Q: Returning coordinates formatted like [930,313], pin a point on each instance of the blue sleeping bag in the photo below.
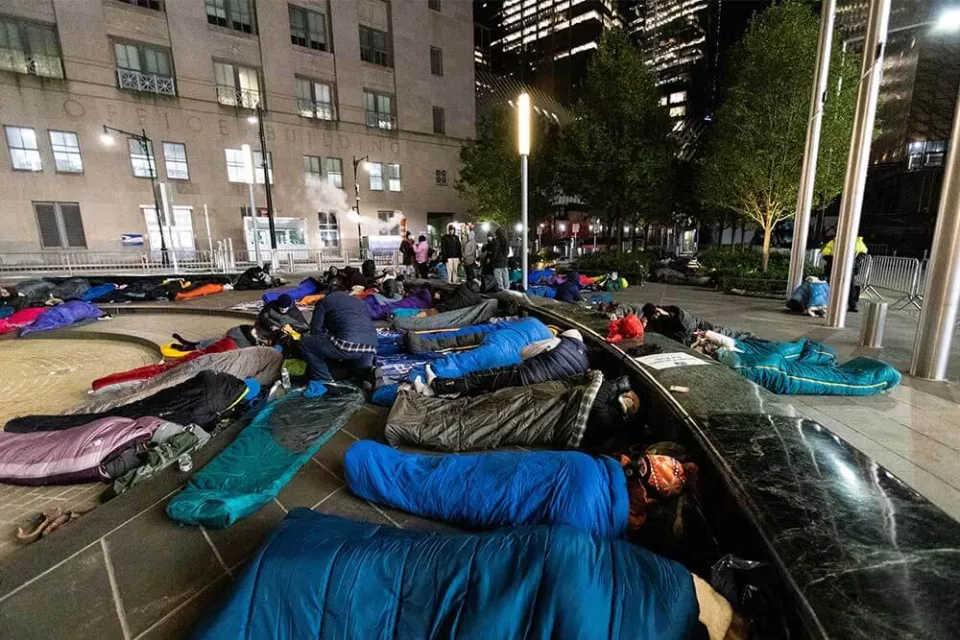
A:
[802,350]
[542,291]
[253,469]
[307,287]
[500,348]
[320,576]
[490,490]
[63,315]
[544,275]
[98,291]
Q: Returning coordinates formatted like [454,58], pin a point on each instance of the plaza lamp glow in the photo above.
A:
[523,147]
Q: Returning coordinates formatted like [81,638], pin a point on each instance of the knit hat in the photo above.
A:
[649,309]
[285,301]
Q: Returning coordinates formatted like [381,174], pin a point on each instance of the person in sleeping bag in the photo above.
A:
[279,316]
[341,336]
[550,359]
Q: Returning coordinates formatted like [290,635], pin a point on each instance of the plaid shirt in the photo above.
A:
[351,347]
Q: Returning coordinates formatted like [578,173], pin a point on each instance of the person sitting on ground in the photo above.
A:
[569,289]
[465,295]
[341,336]
[677,324]
[810,297]
[279,318]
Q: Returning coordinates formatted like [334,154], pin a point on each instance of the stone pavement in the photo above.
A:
[913,430]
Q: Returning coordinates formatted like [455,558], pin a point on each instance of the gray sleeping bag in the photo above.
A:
[549,415]
[467,316]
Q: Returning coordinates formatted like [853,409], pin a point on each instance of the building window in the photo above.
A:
[935,151]
[258,166]
[236,167]
[439,121]
[313,167]
[315,99]
[329,229]
[24,150]
[393,177]
[663,101]
[232,14]
[436,61]
[433,5]
[175,158]
[378,108]
[27,47]
[376,176]
[373,46]
[308,28]
[143,68]
[237,86]
[66,151]
[335,172]
[441,176]
[60,225]
[142,159]
[146,4]
[389,223]
[678,112]
[678,96]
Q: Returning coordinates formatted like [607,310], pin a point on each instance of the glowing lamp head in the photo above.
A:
[252,119]
[518,227]
[949,20]
[107,140]
[523,124]
[485,227]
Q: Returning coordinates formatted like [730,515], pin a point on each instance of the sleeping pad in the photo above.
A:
[264,457]
[462,317]
[550,415]
[22,318]
[73,455]
[501,348]
[260,363]
[491,490]
[418,299]
[306,287]
[146,372]
[320,576]
[63,315]
[201,400]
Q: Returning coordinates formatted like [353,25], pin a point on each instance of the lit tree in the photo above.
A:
[754,151]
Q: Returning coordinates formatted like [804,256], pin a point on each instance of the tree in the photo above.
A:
[616,153]
[754,151]
[490,168]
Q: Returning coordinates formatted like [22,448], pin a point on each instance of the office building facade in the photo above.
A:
[337,80]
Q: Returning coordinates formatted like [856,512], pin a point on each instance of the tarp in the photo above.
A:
[264,457]
[200,400]
[550,415]
[22,318]
[858,377]
[306,287]
[320,576]
[260,363]
[70,456]
[418,299]
[500,348]
[148,371]
[450,319]
[492,490]
[199,292]
[63,315]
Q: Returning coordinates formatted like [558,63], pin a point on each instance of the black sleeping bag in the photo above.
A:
[255,278]
[465,295]
[201,400]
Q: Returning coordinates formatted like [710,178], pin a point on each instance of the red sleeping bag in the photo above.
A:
[199,292]
[22,318]
[148,371]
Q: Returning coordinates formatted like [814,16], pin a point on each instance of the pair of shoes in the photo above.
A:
[853,310]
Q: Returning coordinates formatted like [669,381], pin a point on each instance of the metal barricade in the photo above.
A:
[900,275]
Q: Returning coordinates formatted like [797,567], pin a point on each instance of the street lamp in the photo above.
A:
[356,191]
[146,144]
[523,147]
[257,119]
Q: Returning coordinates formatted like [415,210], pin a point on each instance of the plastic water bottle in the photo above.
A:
[285,379]
[185,462]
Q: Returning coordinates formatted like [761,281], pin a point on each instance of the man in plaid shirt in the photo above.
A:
[341,337]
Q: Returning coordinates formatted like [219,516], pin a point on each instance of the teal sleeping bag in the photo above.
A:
[320,576]
[801,350]
[264,457]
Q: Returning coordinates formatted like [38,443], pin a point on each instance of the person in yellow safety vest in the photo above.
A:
[861,249]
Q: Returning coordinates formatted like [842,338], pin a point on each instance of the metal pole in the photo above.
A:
[808,174]
[147,145]
[167,211]
[256,225]
[206,217]
[941,293]
[525,267]
[848,224]
[266,179]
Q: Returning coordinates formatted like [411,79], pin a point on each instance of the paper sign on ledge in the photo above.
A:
[670,360]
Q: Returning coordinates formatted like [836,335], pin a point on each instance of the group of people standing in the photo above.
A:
[491,259]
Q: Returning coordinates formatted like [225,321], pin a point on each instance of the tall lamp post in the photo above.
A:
[258,120]
[146,144]
[356,192]
[523,146]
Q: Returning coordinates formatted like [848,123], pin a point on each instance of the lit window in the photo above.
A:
[60,225]
[30,48]
[24,151]
[436,61]
[378,109]
[236,167]
[175,159]
[678,96]
[329,229]
[143,68]
[308,28]
[232,14]
[376,176]
[141,158]
[663,101]
[335,172]
[439,121]
[312,165]
[393,177]
[315,99]
[66,151]
[373,46]
[678,112]
[258,166]
[237,86]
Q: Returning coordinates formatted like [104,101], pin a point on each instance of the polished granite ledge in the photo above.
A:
[867,555]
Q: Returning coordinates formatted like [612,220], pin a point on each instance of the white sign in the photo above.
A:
[670,360]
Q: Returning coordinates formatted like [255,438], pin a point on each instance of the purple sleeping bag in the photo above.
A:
[418,299]
[307,287]
[72,455]
[63,315]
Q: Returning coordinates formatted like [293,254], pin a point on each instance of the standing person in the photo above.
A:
[342,336]
[450,253]
[487,251]
[421,252]
[826,252]
[407,253]
[470,258]
[498,259]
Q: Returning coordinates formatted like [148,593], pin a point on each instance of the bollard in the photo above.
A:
[874,320]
